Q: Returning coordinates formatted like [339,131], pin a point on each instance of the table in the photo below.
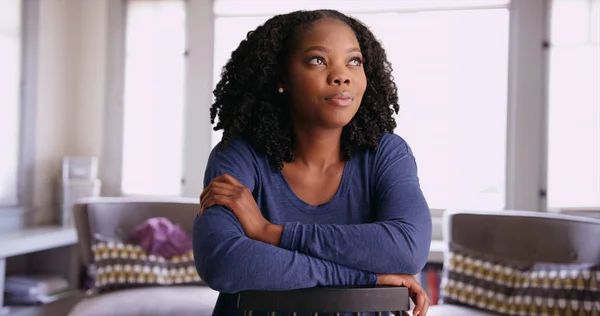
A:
[55,246]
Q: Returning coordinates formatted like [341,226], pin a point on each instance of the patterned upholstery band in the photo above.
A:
[119,265]
[513,288]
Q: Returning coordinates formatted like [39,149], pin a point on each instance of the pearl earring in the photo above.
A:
[280,90]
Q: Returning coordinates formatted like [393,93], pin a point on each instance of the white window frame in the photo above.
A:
[527,121]
[110,165]
[11,216]
[13,29]
[199,97]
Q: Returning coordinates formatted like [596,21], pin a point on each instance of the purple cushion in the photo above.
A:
[160,237]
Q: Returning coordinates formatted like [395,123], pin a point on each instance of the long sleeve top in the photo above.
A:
[377,222]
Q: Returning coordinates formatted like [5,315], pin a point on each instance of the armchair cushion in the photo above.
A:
[119,265]
[515,288]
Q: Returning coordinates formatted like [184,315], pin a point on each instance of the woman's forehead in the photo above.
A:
[326,32]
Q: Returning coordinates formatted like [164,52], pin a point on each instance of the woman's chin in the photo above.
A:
[337,124]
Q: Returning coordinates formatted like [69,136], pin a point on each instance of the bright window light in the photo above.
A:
[154,97]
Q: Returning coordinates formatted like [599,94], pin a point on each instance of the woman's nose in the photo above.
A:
[338,78]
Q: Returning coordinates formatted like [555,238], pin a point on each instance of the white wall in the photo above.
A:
[70,93]
[91,78]
[55,80]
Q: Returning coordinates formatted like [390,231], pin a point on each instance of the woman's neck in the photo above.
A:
[317,148]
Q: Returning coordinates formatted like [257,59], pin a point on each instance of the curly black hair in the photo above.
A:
[248,105]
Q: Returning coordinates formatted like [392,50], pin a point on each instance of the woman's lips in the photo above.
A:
[340,99]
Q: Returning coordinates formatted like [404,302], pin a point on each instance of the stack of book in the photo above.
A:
[35,289]
[430,279]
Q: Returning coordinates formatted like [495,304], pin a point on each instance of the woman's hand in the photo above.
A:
[416,291]
[226,191]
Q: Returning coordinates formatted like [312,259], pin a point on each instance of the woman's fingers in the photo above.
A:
[215,185]
[421,299]
[231,180]
[416,291]
[223,180]
[216,199]
[223,186]
[205,205]
[216,181]
[425,304]
[219,189]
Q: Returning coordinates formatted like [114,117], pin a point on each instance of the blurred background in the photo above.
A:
[499,99]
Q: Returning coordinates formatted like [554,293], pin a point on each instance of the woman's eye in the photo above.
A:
[355,62]
[316,60]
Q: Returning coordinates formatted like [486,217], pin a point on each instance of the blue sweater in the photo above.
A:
[377,222]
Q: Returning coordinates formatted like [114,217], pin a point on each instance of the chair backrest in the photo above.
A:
[115,217]
[525,236]
[326,300]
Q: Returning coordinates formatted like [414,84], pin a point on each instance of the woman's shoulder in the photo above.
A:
[236,151]
[391,144]
[393,158]
[390,149]
[238,159]
[392,139]
[234,147]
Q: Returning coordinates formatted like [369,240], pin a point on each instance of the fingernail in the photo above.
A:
[417,313]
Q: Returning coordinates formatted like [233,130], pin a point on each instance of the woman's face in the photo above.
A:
[325,79]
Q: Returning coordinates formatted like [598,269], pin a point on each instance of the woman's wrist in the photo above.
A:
[271,234]
[382,279]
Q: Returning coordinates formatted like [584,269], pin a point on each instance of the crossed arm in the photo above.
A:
[230,262]
[397,243]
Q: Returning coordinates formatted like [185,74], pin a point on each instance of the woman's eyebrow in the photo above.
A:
[318,48]
[327,50]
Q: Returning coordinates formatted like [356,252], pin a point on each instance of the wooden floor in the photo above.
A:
[58,308]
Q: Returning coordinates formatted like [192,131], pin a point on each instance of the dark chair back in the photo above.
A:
[378,299]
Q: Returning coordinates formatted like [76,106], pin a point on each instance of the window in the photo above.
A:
[154,97]
[574,105]
[10,78]
[452,89]
[450,61]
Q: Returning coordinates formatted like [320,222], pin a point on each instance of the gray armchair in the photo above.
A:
[531,239]
[114,217]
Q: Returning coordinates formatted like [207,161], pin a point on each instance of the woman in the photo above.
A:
[309,186]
